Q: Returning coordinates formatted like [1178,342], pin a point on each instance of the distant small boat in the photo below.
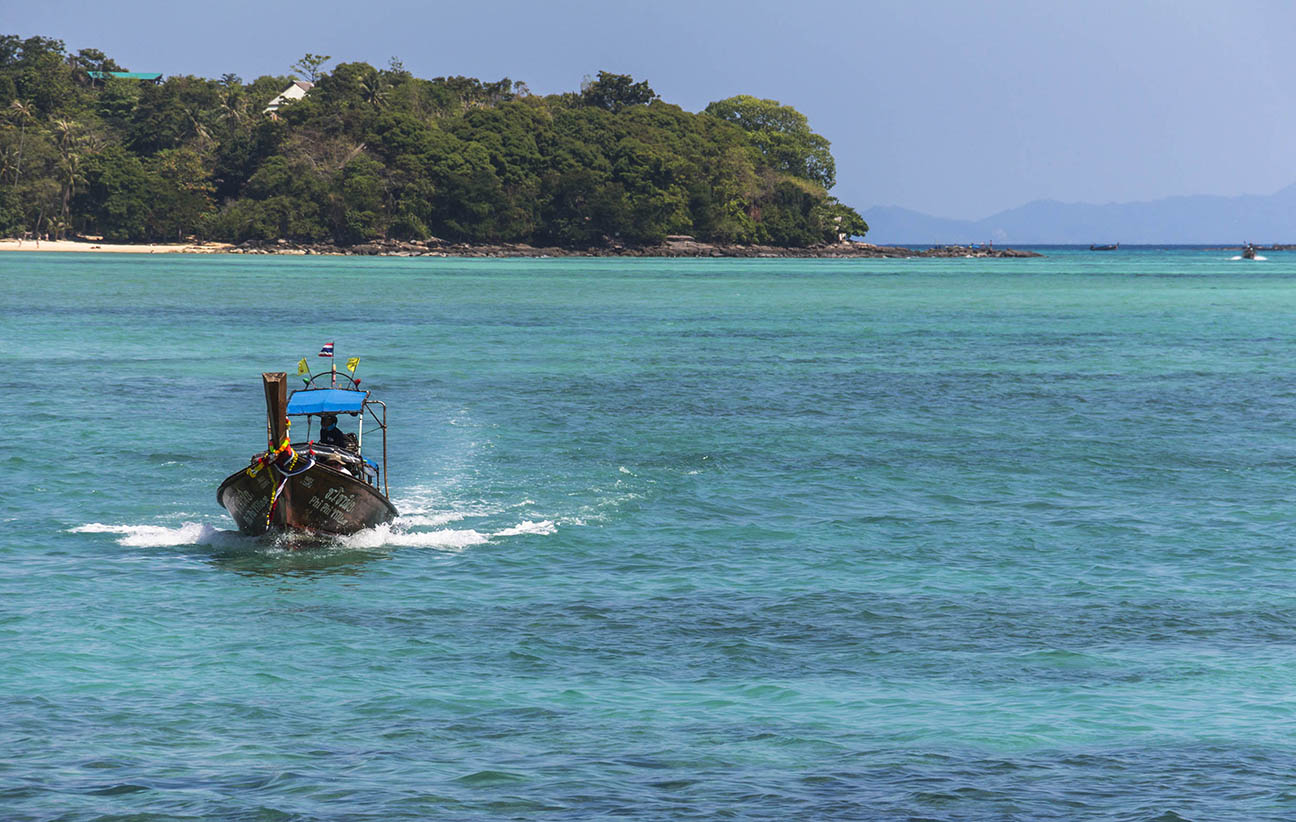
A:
[308,487]
[1104,247]
[1249,252]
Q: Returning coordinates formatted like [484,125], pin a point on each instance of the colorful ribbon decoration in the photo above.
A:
[271,458]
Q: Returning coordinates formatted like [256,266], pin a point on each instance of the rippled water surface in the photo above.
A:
[907,539]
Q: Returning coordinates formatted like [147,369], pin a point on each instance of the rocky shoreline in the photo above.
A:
[681,247]
[672,247]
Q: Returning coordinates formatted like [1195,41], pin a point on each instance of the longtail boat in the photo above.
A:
[306,486]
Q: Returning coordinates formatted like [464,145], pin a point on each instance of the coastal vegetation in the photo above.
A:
[377,153]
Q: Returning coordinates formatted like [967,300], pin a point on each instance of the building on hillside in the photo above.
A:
[294,92]
[146,76]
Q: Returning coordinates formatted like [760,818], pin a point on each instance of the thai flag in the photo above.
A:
[327,350]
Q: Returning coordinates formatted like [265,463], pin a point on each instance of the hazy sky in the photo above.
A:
[958,109]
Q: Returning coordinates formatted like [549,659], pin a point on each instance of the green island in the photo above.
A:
[369,155]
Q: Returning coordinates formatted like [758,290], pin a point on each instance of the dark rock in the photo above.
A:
[674,246]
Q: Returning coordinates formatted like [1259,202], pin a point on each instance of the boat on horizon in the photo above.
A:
[1248,252]
[1112,247]
[312,487]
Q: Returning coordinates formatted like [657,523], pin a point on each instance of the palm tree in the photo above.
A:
[233,104]
[72,145]
[58,226]
[7,155]
[376,90]
[197,126]
[23,112]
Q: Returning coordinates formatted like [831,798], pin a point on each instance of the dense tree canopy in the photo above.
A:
[783,136]
[378,153]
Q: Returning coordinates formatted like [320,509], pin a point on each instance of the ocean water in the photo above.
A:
[757,539]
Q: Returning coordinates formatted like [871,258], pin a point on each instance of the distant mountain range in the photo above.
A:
[1198,219]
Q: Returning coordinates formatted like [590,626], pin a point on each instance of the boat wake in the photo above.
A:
[432,519]
[1257,258]
[404,532]
[396,534]
[160,536]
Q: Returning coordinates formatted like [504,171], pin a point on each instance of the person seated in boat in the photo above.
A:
[337,464]
[330,434]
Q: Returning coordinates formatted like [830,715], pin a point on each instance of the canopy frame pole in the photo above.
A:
[383,425]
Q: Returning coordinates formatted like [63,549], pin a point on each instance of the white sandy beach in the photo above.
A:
[122,248]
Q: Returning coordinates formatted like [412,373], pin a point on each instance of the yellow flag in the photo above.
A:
[302,367]
[352,363]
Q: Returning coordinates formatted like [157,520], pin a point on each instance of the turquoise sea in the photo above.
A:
[718,539]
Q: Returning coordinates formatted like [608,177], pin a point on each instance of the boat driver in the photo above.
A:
[330,434]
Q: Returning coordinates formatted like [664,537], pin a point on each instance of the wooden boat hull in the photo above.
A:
[319,500]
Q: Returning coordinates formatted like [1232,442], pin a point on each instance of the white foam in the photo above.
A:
[396,535]
[432,520]
[160,536]
[100,528]
[438,508]
[527,527]
[407,531]
[389,535]
[420,499]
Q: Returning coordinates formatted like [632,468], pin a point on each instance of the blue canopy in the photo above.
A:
[319,400]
